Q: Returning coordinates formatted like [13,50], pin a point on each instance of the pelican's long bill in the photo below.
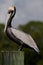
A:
[6,21]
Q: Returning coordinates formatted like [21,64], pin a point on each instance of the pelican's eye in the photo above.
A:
[11,11]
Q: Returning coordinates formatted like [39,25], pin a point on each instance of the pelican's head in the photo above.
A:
[12,10]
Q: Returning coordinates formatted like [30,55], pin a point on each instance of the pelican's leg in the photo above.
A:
[20,47]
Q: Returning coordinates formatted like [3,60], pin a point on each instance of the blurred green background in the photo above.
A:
[35,29]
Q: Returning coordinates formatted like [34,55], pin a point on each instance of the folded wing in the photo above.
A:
[27,39]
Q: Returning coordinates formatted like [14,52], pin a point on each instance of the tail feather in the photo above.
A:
[37,50]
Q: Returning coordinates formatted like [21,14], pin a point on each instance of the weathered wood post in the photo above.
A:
[12,58]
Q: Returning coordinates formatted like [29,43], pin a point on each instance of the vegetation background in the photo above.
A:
[35,29]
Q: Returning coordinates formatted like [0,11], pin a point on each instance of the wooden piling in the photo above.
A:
[12,58]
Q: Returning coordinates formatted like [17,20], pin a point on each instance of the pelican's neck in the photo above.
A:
[8,23]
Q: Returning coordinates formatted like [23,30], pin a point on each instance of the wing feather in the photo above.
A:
[27,39]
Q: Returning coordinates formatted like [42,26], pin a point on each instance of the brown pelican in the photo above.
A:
[21,38]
